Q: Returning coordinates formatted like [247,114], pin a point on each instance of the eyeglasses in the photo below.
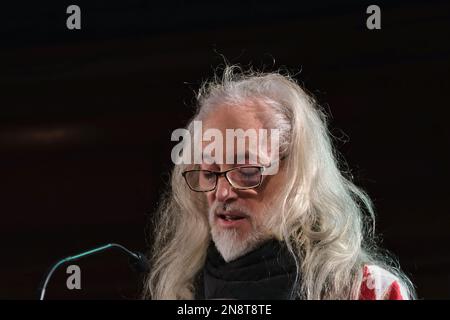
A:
[241,178]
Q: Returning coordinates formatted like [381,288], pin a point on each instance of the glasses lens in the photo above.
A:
[201,180]
[245,177]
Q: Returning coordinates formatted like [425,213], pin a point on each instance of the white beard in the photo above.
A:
[232,245]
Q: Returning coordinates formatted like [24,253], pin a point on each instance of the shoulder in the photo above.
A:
[380,284]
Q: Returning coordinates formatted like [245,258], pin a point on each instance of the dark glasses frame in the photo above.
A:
[218,174]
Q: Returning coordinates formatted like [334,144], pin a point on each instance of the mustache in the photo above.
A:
[224,207]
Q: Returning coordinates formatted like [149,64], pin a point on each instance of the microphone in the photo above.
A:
[137,261]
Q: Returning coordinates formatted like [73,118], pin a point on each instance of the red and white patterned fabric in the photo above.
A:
[379,284]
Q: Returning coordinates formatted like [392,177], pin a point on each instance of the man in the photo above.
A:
[227,230]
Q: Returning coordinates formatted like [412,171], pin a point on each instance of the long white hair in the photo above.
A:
[326,221]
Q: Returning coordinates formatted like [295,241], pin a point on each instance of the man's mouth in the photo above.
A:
[231,219]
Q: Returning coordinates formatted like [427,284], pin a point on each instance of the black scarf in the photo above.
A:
[267,272]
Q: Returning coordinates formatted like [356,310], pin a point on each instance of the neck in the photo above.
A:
[267,272]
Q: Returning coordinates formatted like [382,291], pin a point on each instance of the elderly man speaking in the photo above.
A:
[279,222]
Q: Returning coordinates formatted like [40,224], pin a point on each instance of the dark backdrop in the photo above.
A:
[86,118]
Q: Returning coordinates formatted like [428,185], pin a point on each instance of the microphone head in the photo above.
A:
[139,263]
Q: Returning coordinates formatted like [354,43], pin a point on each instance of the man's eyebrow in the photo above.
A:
[247,155]
[209,159]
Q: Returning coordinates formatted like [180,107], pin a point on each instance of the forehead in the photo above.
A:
[240,127]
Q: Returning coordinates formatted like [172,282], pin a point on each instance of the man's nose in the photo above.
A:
[224,191]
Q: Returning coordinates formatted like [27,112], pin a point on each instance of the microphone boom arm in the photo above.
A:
[137,256]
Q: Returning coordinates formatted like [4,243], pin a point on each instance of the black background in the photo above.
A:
[86,117]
